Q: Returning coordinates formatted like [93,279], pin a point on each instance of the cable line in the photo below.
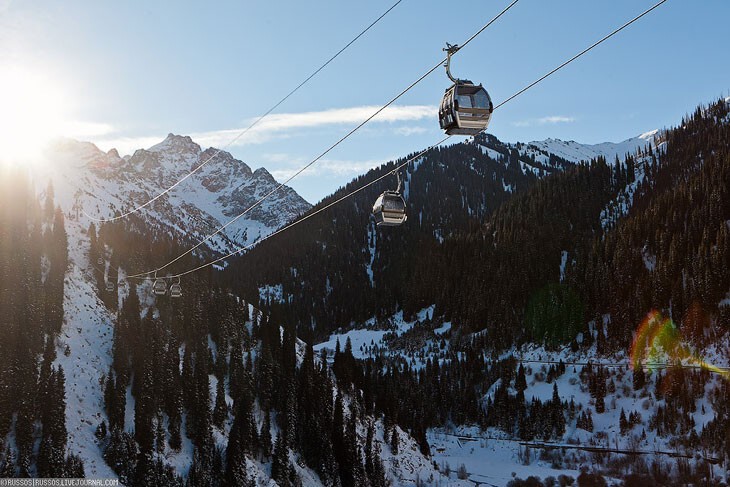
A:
[252,125]
[297,173]
[327,151]
[552,445]
[628,365]
[580,53]
[241,249]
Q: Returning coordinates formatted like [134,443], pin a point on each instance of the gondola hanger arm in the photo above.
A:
[450,49]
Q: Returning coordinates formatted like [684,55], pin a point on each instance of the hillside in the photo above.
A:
[353,270]
[574,232]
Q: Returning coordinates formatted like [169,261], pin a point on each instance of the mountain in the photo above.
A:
[486,338]
[102,185]
[583,321]
[576,152]
[450,191]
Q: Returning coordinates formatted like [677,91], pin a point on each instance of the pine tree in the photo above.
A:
[8,466]
[623,423]
[74,467]
[394,442]
[280,464]
[521,381]
[557,416]
[220,411]
[639,378]
[265,436]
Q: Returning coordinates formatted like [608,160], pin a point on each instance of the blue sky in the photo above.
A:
[134,71]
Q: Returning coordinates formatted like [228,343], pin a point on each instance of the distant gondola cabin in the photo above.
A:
[390,209]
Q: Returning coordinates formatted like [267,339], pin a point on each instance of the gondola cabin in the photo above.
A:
[390,209]
[465,109]
[159,287]
[175,290]
[109,286]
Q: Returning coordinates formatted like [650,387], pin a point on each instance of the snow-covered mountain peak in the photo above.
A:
[74,153]
[649,136]
[176,154]
[576,152]
[264,175]
[89,180]
[177,144]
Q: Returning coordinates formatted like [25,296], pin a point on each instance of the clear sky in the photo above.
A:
[129,72]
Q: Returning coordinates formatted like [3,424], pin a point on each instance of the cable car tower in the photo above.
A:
[466,108]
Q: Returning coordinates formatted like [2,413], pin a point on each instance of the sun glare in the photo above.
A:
[32,109]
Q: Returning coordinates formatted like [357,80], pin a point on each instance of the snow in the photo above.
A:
[507,187]
[493,154]
[359,338]
[409,466]
[87,332]
[88,180]
[621,205]
[725,301]
[372,246]
[183,459]
[563,261]
[365,337]
[576,152]
[487,460]
[274,293]
[526,168]
[443,329]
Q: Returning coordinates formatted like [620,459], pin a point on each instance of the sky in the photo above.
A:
[125,74]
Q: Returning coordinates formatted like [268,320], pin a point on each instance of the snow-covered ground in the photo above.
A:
[366,336]
[84,352]
[493,458]
[486,459]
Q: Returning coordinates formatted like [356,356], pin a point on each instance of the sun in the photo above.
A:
[32,109]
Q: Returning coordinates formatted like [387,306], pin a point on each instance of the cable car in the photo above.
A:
[390,208]
[176,289]
[100,261]
[466,108]
[159,287]
[109,286]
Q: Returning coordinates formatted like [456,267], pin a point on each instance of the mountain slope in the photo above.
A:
[448,191]
[103,184]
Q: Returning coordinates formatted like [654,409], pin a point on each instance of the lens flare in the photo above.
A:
[658,344]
